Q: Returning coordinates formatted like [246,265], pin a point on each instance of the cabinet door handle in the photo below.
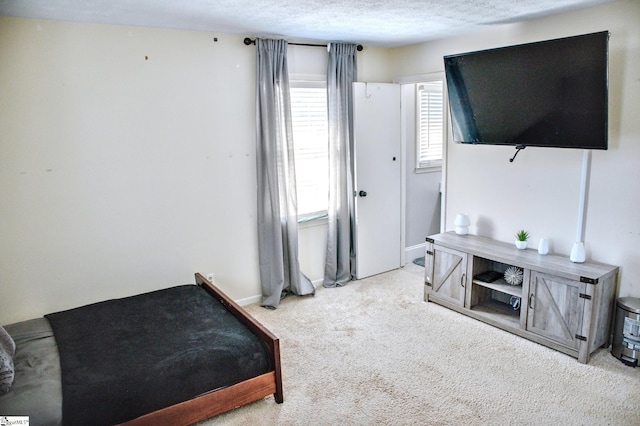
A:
[531,298]
[462,279]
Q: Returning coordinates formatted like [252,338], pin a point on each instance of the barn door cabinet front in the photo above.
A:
[574,315]
[445,274]
[556,310]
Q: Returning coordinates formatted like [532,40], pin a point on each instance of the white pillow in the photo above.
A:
[7,352]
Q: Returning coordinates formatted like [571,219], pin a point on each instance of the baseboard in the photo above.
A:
[413,252]
[258,298]
[249,300]
[410,253]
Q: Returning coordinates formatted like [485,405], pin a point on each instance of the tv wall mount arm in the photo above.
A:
[518,149]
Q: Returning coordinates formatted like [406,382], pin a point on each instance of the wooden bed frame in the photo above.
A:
[224,399]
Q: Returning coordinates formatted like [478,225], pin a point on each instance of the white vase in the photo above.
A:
[543,246]
[521,244]
[577,252]
[461,224]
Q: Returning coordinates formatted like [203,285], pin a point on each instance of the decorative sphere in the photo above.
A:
[513,275]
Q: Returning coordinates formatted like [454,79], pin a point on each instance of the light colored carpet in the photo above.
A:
[373,352]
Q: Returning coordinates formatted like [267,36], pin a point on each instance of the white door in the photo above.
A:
[378,180]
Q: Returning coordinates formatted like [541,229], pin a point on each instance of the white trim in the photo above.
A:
[314,84]
[308,77]
[403,179]
[249,300]
[430,169]
[445,155]
[319,221]
[258,298]
[415,251]
[429,165]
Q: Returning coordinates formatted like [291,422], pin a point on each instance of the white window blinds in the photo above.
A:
[310,141]
[430,124]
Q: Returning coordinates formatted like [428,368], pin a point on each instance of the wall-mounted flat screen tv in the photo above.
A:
[551,93]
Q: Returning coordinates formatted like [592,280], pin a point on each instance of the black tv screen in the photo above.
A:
[551,93]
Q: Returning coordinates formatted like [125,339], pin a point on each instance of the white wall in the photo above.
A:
[540,190]
[127,162]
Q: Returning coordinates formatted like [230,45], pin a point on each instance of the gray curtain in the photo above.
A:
[277,202]
[340,254]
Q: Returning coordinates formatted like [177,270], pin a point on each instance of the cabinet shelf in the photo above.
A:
[502,286]
[499,312]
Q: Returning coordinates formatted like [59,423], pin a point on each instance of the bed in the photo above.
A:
[172,356]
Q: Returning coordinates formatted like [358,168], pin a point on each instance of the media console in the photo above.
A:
[560,304]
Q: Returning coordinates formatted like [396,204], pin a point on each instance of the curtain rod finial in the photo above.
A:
[248,41]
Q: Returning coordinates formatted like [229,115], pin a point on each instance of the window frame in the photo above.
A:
[311,218]
[436,164]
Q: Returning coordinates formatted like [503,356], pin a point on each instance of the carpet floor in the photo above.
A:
[372,352]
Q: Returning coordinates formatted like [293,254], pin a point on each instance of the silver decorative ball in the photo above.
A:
[513,275]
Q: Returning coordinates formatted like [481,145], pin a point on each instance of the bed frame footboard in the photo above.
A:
[270,340]
[224,399]
[210,404]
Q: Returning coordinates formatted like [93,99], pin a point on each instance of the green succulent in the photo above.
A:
[522,235]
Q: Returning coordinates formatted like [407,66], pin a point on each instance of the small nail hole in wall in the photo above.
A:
[146,58]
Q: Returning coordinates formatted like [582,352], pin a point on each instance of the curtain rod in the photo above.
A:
[248,41]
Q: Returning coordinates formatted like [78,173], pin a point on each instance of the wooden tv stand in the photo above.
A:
[563,305]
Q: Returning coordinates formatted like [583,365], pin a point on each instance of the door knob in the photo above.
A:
[362,193]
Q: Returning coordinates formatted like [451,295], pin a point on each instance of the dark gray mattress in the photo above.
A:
[37,375]
[123,358]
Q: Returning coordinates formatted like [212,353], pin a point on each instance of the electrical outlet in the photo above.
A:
[210,276]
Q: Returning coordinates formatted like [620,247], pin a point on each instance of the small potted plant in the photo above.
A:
[521,239]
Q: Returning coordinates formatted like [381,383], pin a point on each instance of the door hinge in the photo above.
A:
[429,252]
[579,337]
[584,296]
[588,280]
[429,240]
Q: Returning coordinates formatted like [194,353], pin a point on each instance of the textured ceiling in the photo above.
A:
[370,22]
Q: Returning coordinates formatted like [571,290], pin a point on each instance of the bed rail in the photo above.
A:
[270,340]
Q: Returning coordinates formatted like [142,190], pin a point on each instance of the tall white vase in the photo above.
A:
[543,246]
[461,224]
[577,253]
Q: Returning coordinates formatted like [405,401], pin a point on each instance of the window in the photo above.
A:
[311,144]
[430,125]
